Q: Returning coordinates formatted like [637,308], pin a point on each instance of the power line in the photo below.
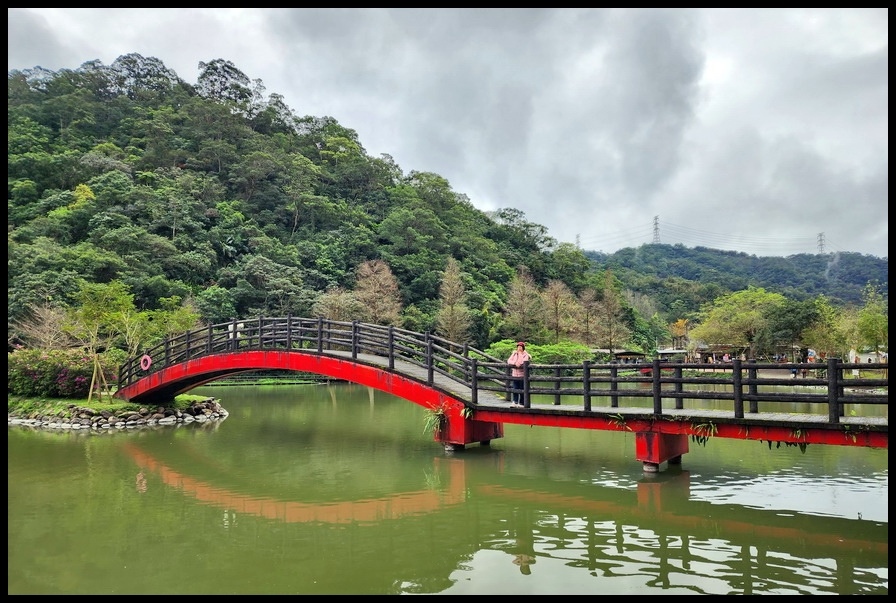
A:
[691,237]
[632,237]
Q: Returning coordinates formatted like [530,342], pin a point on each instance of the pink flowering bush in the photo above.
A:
[54,373]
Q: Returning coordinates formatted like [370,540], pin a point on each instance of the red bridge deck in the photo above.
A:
[469,391]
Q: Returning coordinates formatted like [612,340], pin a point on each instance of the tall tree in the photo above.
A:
[612,330]
[454,318]
[43,327]
[338,304]
[220,80]
[94,322]
[302,175]
[873,323]
[569,264]
[824,331]
[377,290]
[561,310]
[679,330]
[523,310]
[414,242]
[589,306]
[735,320]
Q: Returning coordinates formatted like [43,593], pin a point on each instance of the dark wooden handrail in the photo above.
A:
[736,382]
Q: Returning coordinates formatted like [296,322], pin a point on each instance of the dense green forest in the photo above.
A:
[651,270]
[219,196]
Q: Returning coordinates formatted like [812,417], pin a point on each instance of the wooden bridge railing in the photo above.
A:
[826,391]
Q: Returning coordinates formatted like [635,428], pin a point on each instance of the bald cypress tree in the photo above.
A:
[377,290]
[454,318]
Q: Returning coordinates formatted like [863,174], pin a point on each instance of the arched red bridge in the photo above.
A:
[468,390]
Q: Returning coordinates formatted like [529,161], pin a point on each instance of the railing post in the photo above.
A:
[754,388]
[738,388]
[391,351]
[234,335]
[586,383]
[430,374]
[835,409]
[526,401]
[679,388]
[657,388]
[289,331]
[557,385]
[320,335]
[300,341]
[354,340]
[614,385]
[508,395]
[474,382]
[209,340]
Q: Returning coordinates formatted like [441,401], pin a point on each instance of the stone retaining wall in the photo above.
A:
[78,417]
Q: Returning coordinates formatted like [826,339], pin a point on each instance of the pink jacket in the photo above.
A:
[516,360]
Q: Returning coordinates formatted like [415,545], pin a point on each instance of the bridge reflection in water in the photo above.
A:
[469,389]
[330,489]
[756,551]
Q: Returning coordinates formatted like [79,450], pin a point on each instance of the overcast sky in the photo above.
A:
[757,130]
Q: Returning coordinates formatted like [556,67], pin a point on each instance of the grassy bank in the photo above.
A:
[18,406]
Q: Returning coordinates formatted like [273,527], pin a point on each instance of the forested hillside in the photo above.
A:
[654,269]
[219,196]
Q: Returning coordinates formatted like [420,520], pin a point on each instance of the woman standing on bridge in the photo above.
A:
[517,360]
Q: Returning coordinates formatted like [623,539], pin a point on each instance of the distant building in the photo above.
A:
[630,357]
[674,354]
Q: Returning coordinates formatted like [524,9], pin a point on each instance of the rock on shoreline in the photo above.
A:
[79,417]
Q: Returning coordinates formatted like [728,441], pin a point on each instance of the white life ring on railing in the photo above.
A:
[145,362]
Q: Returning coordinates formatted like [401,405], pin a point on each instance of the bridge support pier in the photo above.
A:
[653,449]
[461,431]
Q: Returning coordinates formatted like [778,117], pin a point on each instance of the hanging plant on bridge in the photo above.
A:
[435,419]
